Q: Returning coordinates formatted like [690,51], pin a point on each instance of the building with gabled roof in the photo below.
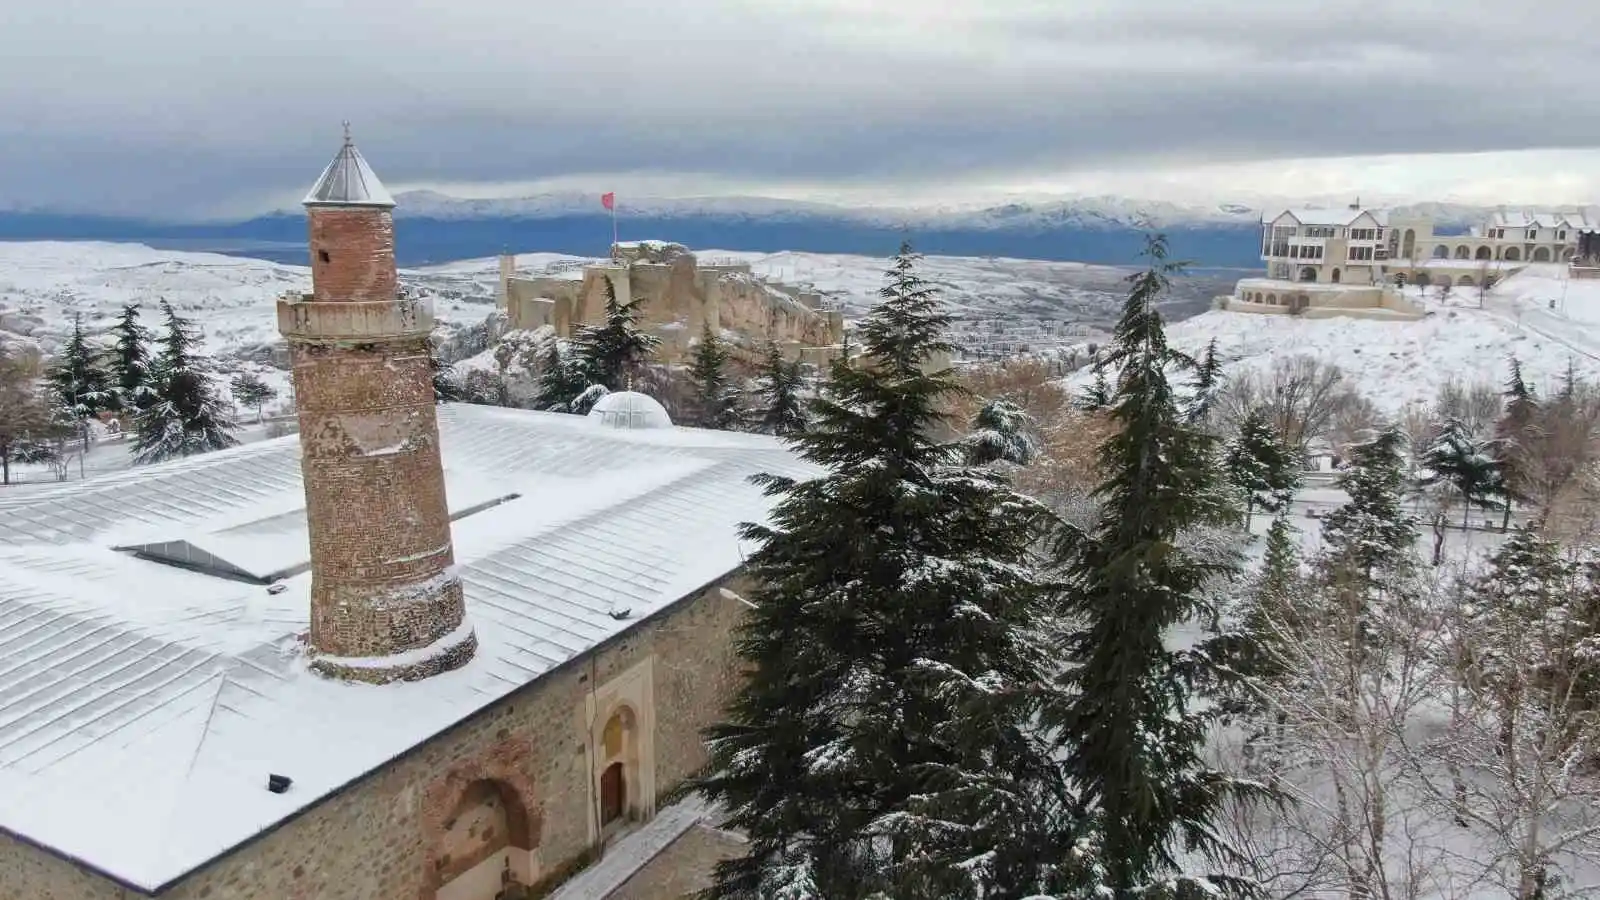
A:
[1353,261]
[450,653]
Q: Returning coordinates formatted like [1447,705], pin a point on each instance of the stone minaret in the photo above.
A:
[386,604]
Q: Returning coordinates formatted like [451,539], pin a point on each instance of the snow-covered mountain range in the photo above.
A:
[1099,211]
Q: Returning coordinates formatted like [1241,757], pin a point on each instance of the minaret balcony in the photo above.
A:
[307,320]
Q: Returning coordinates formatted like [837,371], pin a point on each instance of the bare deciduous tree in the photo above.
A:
[1476,406]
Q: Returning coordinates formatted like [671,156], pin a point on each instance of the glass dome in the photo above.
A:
[630,409]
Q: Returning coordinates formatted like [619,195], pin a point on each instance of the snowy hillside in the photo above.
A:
[1396,362]
[42,284]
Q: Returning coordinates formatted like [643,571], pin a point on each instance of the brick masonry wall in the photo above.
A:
[375,498]
[352,253]
[380,837]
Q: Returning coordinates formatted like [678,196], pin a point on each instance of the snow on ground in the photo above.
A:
[232,299]
[1394,363]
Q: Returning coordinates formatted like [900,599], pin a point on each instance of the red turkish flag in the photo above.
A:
[608,200]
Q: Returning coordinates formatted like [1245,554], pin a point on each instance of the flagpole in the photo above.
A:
[613,223]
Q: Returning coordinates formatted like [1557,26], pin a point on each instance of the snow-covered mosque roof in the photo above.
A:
[146,693]
[348,181]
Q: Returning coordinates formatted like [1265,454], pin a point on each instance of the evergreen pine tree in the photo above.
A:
[130,362]
[1000,432]
[249,390]
[1260,466]
[614,353]
[1208,382]
[561,378]
[1368,542]
[78,383]
[1511,439]
[716,400]
[884,741]
[1097,396]
[1466,464]
[186,417]
[1268,610]
[1131,738]
[782,411]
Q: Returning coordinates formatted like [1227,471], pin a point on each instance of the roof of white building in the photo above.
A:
[1579,220]
[1338,217]
[143,705]
[348,181]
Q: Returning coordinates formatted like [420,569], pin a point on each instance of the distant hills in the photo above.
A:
[438,228]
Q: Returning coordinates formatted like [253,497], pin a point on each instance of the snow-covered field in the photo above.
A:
[1393,363]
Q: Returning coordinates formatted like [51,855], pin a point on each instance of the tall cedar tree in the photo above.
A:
[883,743]
[249,390]
[1369,542]
[130,362]
[561,378]
[79,384]
[1130,738]
[1511,439]
[781,409]
[1466,464]
[614,353]
[1268,610]
[716,400]
[1207,383]
[186,416]
[1260,466]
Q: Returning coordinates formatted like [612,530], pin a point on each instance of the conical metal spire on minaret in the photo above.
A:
[348,181]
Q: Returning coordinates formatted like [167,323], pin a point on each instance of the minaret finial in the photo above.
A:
[347,132]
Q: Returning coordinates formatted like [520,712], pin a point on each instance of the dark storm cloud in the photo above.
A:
[168,104]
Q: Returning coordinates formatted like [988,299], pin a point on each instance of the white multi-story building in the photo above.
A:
[1353,261]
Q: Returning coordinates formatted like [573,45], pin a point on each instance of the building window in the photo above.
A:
[1497,234]
[1363,234]
[1561,235]
[1533,233]
[613,794]
[322,256]
[1360,253]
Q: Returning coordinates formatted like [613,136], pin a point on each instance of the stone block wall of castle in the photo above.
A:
[382,836]
[681,298]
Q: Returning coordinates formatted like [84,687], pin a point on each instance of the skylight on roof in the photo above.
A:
[257,552]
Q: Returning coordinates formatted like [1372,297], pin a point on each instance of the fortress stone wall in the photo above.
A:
[682,296]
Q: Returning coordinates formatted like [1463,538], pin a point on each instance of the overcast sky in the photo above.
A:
[234,106]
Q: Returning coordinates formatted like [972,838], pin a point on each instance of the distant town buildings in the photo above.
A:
[1354,261]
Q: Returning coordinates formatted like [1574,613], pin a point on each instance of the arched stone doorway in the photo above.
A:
[484,844]
[1512,254]
[1541,254]
[1465,281]
[617,762]
[1463,252]
[1308,273]
[1408,244]
[1483,253]
[1441,252]
[1335,276]
[1272,299]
